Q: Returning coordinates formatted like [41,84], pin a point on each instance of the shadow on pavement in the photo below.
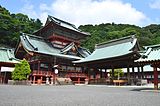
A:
[146,89]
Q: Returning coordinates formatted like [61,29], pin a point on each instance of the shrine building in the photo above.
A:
[7,63]
[51,50]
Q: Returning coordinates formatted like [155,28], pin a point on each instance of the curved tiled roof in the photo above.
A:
[40,45]
[66,24]
[7,56]
[63,24]
[151,53]
[112,49]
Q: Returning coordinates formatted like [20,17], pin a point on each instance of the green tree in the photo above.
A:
[117,73]
[12,24]
[21,71]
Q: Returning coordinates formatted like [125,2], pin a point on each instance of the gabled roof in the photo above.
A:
[151,53]
[7,56]
[40,45]
[82,51]
[113,49]
[68,47]
[65,24]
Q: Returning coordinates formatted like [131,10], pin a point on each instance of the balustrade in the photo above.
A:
[36,72]
[76,75]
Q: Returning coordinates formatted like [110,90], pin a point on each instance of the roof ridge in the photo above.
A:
[51,17]
[114,40]
[38,37]
[127,38]
[2,48]
[5,48]
[152,46]
[32,35]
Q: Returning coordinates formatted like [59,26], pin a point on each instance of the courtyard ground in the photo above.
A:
[76,96]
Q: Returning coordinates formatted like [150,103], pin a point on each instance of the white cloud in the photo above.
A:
[43,17]
[29,10]
[43,7]
[155,4]
[81,12]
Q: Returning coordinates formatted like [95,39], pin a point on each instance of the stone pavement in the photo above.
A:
[71,95]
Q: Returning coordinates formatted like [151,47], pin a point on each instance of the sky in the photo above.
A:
[82,12]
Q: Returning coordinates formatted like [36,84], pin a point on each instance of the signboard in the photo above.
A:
[7,69]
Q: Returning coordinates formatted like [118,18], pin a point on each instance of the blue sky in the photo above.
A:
[79,12]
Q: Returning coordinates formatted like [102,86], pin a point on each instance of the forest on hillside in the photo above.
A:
[11,25]
[148,35]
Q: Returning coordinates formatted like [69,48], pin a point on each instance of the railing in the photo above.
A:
[78,82]
[120,82]
[36,72]
[98,81]
[82,75]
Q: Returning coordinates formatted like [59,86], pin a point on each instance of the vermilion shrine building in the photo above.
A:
[54,46]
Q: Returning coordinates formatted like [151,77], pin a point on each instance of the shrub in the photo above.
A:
[21,71]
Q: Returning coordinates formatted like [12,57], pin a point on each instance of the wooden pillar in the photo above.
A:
[101,73]
[78,80]
[95,75]
[142,73]
[128,75]
[89,74]
[106,73]
[0,76]
[34,79]
[155,78]
[133,75]
[41,79]
[38,67]
[112,73]
[66,71]
[139,76]
[30,78]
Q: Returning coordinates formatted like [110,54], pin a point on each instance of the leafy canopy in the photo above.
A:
[21,71]
[117,73]
[104,32]
[12,24]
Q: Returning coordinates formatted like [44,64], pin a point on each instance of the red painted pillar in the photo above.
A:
[38,67]
[155,78]
[78,80]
